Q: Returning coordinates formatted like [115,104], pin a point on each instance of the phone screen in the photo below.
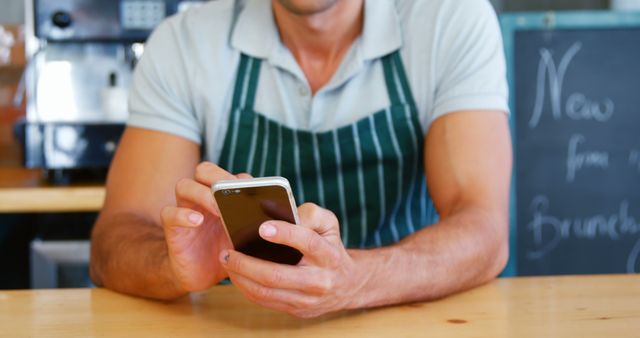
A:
[244,210]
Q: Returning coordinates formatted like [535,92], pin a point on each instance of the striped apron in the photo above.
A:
[368,173]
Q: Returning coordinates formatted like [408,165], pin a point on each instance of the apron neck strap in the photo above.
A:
[396,80]
[247,78]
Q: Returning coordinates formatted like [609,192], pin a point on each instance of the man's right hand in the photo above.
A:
[144,243]
[194,231]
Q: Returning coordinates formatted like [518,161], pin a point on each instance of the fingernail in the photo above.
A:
[224,257]
[268,230]
[195,218]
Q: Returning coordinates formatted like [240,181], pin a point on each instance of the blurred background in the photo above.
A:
[45,244]
[12,10]
[545,5]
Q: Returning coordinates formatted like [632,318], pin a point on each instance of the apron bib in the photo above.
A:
[369,173]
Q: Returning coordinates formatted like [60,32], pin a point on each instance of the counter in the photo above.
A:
[589,306]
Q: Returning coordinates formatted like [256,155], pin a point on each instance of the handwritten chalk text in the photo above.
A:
[587,159]
[578,106]
[549,231]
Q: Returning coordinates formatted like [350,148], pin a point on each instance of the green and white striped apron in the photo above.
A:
[368,173]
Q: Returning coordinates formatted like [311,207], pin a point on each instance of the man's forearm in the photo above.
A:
[467,249]
[129,254]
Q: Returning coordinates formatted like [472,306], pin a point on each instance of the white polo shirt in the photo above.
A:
[452,51]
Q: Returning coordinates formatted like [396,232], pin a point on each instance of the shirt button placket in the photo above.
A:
[303,90]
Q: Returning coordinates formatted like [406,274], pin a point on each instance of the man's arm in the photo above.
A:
[130,252]
[468,164]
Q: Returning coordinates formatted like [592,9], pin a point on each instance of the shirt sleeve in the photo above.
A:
[160,97]
[470,58]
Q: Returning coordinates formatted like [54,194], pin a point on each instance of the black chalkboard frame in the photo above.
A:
[511,23]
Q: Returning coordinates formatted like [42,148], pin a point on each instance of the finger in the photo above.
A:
[208,174]
[244,176]
[278,299]
[319,219]
[188,190]
[181,217]
[273,275]
[312,245]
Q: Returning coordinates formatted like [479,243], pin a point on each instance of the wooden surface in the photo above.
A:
[51,199]
[24,191]
[598,306]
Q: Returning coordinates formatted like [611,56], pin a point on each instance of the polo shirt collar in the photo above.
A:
[382,33]
[256,33]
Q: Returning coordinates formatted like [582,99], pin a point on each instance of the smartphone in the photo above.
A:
[247,203]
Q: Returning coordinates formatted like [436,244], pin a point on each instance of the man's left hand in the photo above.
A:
[325,280]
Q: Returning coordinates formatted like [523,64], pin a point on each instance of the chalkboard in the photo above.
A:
[576,126]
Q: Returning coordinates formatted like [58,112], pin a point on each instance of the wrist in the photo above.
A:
[174,284]
[362,275]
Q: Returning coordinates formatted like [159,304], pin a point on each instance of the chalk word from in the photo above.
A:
[577,160]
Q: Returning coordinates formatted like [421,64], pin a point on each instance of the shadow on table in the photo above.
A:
[231,309]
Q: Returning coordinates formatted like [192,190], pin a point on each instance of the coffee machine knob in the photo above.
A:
[61,19]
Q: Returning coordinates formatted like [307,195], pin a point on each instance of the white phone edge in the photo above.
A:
[256,183]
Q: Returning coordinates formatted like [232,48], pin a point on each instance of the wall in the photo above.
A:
[12,11]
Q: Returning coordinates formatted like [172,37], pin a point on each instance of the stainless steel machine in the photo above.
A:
[81,54]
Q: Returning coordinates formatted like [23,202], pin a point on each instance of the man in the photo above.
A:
[355,102]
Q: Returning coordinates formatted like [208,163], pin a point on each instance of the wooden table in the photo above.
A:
[594,306]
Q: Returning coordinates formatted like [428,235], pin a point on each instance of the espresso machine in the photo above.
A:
[81,55]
